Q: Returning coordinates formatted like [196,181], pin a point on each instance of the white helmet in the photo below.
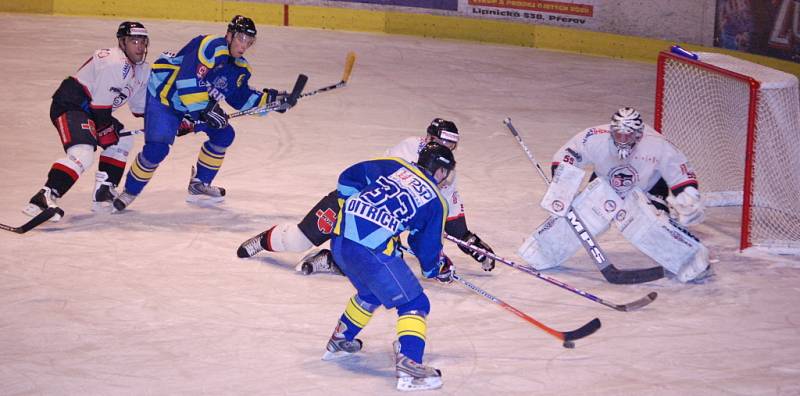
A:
[627,128]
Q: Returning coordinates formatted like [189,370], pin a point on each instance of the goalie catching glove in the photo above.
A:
[446,269]
[688,205]
[487,263]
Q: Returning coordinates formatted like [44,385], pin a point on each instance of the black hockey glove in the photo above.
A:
[281,97]
[214,116]
[446,269]
[487,263]
[187,125]
[109,135]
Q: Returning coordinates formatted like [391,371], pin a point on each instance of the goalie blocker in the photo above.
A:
[649,230]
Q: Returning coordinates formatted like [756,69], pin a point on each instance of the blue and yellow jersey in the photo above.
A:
[203,70]
[387,196]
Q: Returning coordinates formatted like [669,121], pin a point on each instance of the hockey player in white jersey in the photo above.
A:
[315,228]
[630,160]
[82,110]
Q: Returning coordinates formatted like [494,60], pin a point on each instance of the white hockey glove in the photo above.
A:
[688,206]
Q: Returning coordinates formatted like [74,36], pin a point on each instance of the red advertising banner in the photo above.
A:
[552,7]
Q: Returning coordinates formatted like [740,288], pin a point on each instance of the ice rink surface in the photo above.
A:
[154,301]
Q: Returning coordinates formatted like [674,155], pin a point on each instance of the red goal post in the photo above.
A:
[739,124]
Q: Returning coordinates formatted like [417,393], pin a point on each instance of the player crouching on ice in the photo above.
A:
[382,198]
[315,228]
[628,158]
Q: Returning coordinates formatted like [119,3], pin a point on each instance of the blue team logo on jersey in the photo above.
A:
[126,68]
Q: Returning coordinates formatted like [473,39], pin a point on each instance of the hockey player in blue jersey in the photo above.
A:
[381,199]
[187,87]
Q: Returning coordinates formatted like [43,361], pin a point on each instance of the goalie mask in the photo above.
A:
[627,128]
[435,157]
[133,41]
[443,132]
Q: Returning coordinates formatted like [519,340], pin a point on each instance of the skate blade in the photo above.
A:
[33,211]
[204,200]
[338,355]
[410,384]
[102,207]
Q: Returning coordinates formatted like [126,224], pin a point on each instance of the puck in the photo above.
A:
[569,344]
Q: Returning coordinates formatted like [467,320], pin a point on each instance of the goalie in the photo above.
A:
[637,176]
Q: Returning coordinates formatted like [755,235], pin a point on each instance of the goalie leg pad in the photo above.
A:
[566,181]
[554,241]
[550,245]
[287,237]
[661,238]
[597,205]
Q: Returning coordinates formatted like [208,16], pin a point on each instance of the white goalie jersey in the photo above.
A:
[408,149]
[653,157]
[111,80]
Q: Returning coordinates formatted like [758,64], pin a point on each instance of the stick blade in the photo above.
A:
[348,66]
[629,277]
[584,331]
[34,222]
[299,85]
[638,304]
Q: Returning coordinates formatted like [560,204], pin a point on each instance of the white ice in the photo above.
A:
[154,301]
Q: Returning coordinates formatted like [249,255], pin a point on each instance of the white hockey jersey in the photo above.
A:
[408,149]
[110,80]
[652,158]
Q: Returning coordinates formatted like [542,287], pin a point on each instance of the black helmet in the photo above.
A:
[443,129]
[131,29]
[434,156]
[242,24]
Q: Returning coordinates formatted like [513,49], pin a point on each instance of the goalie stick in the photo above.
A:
[631,306]
[606,267]
[34,222]
[567,337]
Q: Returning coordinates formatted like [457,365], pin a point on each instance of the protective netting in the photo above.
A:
[705,113]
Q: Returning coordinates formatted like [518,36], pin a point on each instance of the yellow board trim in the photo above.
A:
[424,25]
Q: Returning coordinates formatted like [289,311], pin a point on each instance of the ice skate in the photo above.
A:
[413,376]
[43,199]
[122,201]
[104,193]
[252,246]
[203,193]
[318,261]
[338,347]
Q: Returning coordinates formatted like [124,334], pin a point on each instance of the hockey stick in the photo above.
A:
[348,68]
[606,267]
[131,132]
[302,79]
[631,306]
[568,337]
[34,222]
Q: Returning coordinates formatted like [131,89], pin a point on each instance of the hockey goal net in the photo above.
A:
[739,124]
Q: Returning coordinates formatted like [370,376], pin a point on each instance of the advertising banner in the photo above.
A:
[536,11]
[764,27]
[447,5]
